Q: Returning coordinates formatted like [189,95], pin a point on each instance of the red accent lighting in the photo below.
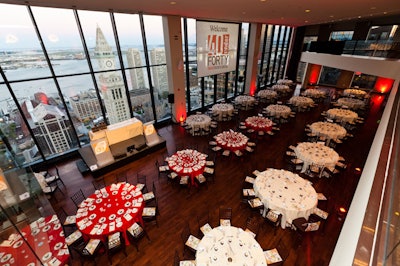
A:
[383,85]
[315,70]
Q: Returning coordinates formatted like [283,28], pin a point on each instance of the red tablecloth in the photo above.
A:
[258,123]
[112,209]
[187,163]
[231,140]
[45,236]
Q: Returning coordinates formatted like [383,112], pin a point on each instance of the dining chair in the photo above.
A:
[54,179]
[78,197]
[161,169]
[150,196]
[115,243]
[121,177]
[225,216]
[141,182]
[48,190]
[88,251]
[190,242]
[99,183]
[273,218]
[67,221]
[72,240]
[135,233]
[203,223]
[252,226]
[302,226]
[277,256]
[149,214]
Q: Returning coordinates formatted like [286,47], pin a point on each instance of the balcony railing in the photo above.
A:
[385,49]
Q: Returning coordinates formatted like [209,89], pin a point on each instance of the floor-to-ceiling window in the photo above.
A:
[57,84]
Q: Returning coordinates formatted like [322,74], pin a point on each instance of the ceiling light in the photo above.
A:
[359,16]
[331,16]
[306,21]
[372,8]
[307,10]
[263,0]
[172,3]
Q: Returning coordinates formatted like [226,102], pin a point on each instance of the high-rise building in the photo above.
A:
[51,128]
[85,105]
[111,83]
[136,75]
[160,78]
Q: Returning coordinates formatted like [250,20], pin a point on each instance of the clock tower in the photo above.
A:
[111,83]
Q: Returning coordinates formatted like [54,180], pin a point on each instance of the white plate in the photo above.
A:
[35,231]
[120,211]
[98,200]
[99,231]
[123,193]
[112,217]
[119,224]
[46,228]
[134,210]
[5,258]
[115,192]
[127,204]
[18,244]
[92,216]
[140,199]
[57,226]
[91,208]
[47,256]
[102,219]
[58,245]
[128,196]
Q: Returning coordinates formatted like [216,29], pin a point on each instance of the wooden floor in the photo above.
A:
[177,206]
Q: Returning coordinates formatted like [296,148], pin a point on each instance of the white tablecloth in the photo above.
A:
[301,101]
[245,100]
[285,82]
[328,130]
[281,88]
[316,153]
[351,103]
[229,245]
[222,109]
[278,110]
[342,114]
[267,94]
[287,193]
[198,121]
[354,93]
[314,93]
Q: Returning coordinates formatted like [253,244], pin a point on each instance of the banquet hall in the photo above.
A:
[297,142]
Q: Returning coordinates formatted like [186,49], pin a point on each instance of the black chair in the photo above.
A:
[162,170]
[150,197]
[115,244]
[252,226]
[190,241]
[87,254]
[78,197]
[203,223]
[135,233]
[225,216]
[283,252]
[99,183]
[67,221]
[54,179]
[273,218]
[150,214]
[141,182]
[121,177]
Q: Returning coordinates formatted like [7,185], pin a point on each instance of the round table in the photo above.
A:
[222,109]
[45,235]
[258,123]
[111,209]
[281,88]
[267,94]
[198,121]
[187,163]
[351,103]
[278,110]
[314,93]
[231,140]
[344,115]
[229,245]
[287,193]
[354,93]
[301,101]
[328,130]
[245,101]
[316,153]
[285,81]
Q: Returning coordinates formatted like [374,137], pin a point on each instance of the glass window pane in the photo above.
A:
[113,93]
[208,90]
[46,115]
[130,38]
[220,86]
[160,85]
[139,94]
[83,104]
[22,51]
[99,37]
[154,39]
[17,145]
[64,47]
